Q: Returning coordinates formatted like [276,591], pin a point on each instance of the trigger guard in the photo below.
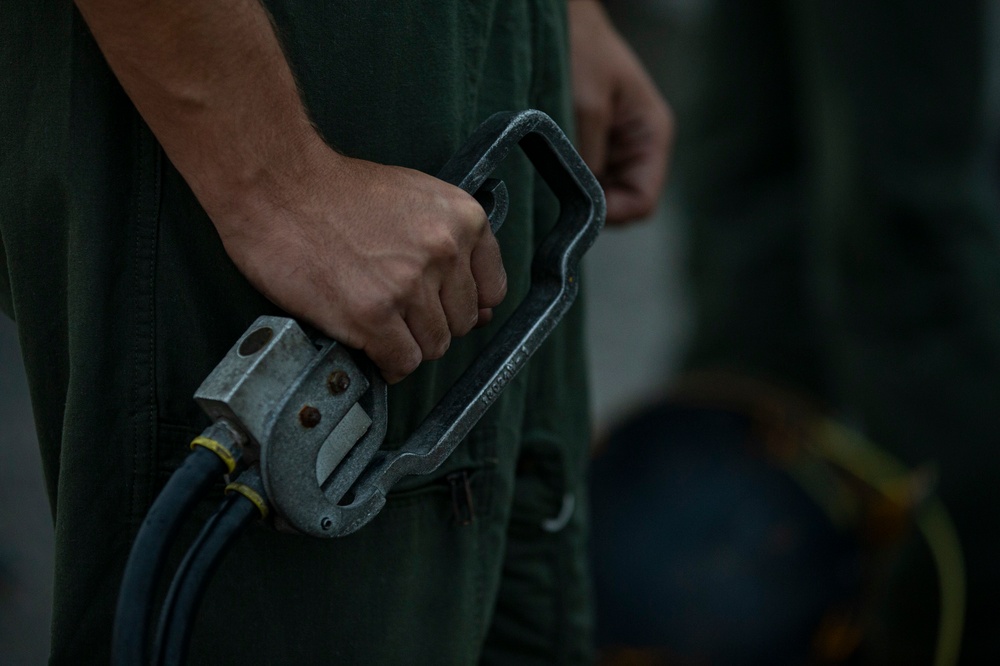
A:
[495,200]
[293,442]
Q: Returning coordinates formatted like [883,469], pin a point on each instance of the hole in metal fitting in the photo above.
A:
[348,498]
[254,342]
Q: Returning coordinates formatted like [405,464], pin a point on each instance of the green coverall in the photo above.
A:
[837,161]
[125,300]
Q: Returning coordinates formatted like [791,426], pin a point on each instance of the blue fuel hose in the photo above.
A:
[212,457]
[238,510]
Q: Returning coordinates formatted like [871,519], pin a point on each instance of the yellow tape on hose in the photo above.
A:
[217,449]
[251,495]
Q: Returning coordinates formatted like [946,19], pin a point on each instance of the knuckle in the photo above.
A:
[403,282]
[443,245]
[438,346]
[375,350]
[501,291]
[410,283]
[407,361]
[462,326]
[394,359]
[494,291]
[373,310]
[464,313]
[352,337]
[474,214]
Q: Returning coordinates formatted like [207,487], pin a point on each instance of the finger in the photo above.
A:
[485,317]
[637,166]
[592,124]
[488,271]
[429,327]
[460,301]
[625,205]
[394,350]
[633,185]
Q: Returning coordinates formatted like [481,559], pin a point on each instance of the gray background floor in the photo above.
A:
[637,322]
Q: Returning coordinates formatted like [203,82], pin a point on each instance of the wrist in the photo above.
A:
[249,187]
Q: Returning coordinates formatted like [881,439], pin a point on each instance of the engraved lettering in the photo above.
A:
[504,376]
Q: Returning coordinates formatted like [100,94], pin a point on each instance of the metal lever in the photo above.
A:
[492,195]
[320,382]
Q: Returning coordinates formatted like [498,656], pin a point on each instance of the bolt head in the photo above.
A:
[309,416]
[338,382]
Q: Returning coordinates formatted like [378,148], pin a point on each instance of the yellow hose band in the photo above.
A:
[251,495]
[217,449]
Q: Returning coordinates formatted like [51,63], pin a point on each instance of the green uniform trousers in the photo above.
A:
[836,159]
[124,301]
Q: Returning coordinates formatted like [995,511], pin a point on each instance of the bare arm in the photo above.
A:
[211,81]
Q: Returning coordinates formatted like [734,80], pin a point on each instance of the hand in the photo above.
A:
[387,260]
[384,259]
[624,127]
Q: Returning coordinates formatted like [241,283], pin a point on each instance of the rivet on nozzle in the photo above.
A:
[309,416]
[338,382]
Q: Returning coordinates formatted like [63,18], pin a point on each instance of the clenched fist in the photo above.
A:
[384,259]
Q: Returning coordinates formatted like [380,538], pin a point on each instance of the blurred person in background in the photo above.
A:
[836,163]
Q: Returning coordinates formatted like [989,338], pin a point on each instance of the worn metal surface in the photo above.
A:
[255,373]
[326,475]
[306,404]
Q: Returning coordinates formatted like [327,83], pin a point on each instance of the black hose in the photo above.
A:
[149,552]
[188,587]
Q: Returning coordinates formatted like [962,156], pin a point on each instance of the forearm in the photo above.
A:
[416,263]
[213,84]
